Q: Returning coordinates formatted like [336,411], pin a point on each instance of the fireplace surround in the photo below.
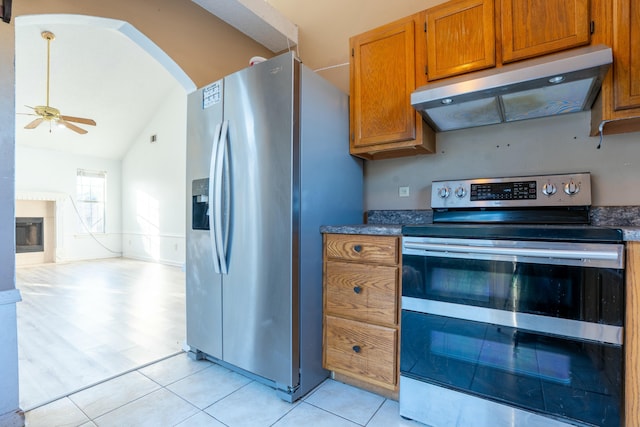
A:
[49,207]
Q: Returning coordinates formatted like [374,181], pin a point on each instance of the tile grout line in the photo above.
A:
[68,394]
[337,415]
[376,411]
[210,405]
[160,387]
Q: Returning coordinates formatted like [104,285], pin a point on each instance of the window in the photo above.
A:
[91,200]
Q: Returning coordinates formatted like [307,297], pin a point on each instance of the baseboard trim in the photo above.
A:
[149,259]
[10,296]
[12,419]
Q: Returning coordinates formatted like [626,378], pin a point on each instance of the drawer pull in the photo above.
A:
[356,348]
[357,289]
[357,248]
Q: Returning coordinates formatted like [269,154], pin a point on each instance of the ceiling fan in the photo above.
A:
[50,114]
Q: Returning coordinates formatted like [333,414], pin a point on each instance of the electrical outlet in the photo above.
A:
[403,191]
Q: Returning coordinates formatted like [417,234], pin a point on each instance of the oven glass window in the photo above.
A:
[561,377]
[570,292]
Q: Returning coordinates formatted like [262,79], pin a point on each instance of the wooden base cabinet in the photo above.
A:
[632,337]
[361,310]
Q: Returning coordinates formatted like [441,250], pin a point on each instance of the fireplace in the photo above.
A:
[29,234]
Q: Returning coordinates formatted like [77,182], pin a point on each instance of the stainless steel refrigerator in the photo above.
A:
[267,164]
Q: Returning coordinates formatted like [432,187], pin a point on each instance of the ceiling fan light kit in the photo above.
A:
[46,113]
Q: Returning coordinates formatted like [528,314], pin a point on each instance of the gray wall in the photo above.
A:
[8,294]
[541,146]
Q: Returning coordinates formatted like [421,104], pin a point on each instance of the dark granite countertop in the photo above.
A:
[379,229]
[626,218]
[631,234]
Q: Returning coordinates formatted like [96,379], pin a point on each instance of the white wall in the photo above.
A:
[541,146]
[153,192]
[47,171]
[145,216]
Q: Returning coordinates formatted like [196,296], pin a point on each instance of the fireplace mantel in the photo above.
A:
[48,196]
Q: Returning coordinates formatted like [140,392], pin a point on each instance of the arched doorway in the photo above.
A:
[106,69]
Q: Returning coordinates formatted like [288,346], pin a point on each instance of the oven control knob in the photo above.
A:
[549,189]
[571,188]
[443,192]
[460,192]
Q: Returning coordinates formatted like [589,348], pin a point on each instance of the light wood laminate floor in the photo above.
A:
[83,322]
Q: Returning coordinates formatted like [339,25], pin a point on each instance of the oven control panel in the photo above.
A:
[528,191]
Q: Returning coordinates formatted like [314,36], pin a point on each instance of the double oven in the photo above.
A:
[512,307]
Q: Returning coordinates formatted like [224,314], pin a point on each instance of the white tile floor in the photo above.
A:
[179,391]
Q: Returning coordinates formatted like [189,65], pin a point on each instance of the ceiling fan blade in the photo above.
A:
[72,127]
[34,124]
[30,114]
[79,120]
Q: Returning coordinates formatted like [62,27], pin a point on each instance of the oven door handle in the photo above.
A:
[584,255]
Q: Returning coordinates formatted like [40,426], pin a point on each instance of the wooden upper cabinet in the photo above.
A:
[460,37]
[617,108]
[384,76]
[384,72]
[534,27]
[626,37]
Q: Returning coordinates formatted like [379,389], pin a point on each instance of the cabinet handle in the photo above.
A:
[357,289]
[356,348]
[357,248]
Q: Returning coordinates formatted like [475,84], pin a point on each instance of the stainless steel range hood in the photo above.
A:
[560,83]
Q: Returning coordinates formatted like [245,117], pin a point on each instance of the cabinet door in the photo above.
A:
[383,79]
[626,34]
[460,37]
[386,65]
[534,27]
[617,108]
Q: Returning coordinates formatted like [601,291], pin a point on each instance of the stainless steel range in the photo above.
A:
[512,307]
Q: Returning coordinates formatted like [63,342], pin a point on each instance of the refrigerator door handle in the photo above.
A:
[220,238]
[227,196]
[212,204]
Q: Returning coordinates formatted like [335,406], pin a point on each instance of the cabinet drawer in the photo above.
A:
[361,350]
[377,249]
[362,292]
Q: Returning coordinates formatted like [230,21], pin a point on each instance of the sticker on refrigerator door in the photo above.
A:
[211,95]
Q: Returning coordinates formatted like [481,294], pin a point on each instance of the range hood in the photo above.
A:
[560,83]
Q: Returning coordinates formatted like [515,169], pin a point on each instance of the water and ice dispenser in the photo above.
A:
[200,204]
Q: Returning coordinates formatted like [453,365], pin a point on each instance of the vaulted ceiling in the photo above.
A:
[97,72]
